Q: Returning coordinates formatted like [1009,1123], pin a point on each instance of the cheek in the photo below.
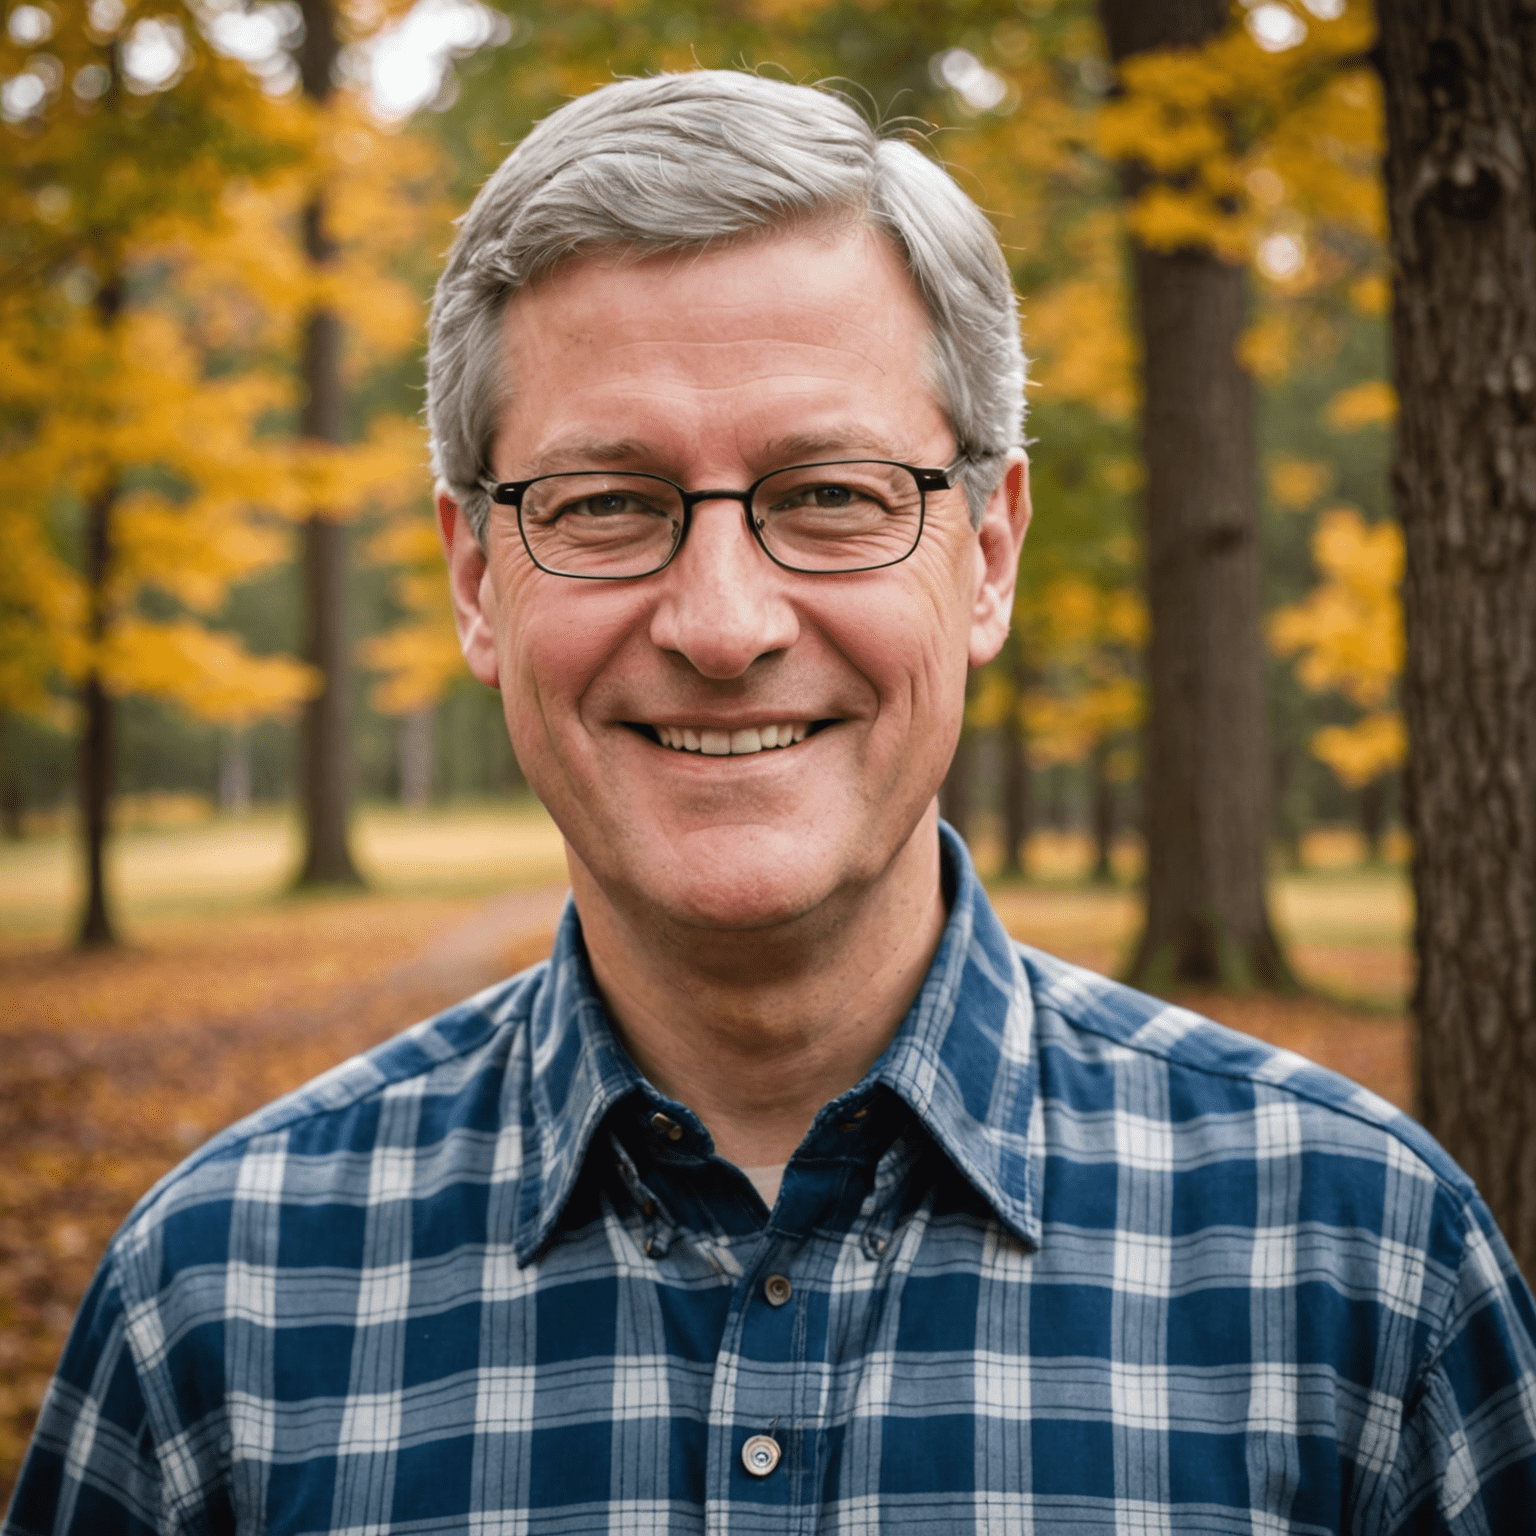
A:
[915,636]
[557,637]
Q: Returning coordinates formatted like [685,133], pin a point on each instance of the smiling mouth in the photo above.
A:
[710,742]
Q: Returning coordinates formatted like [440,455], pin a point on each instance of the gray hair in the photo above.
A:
[686,161]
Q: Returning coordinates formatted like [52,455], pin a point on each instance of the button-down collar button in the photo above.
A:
[665,1125]
[760,1455]
[777,1289]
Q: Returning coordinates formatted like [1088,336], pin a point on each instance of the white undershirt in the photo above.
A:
[766,1182]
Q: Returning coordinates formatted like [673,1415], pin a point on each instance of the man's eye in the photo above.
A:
[610,504]
[827,498]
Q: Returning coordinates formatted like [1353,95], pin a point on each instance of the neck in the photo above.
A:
[755,1031]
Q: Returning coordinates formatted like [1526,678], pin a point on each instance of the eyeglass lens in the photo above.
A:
[813,517]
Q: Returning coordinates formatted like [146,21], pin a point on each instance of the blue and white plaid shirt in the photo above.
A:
[1067,1260]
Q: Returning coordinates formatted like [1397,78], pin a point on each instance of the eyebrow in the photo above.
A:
[792,448]
[578,453]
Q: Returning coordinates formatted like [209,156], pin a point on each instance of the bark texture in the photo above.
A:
[326,731]
[1460,80]
[1207,754]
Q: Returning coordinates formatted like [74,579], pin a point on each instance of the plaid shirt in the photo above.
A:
[1067,1260]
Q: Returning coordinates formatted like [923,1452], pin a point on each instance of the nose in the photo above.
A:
[722,603]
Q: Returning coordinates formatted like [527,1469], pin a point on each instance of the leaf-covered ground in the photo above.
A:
[114,1066]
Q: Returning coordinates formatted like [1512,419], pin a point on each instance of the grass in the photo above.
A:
[174,868]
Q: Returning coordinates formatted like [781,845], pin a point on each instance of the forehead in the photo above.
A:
[815,336]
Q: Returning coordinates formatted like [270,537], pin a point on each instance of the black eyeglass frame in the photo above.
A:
[510,493]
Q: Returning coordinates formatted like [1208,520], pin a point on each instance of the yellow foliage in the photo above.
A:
[1348,634]
[1371,404]
[1080,331]
[1086,636]
[40,612]
[421,656]
[1296,484]
[1123,474]
[1349,630]
[1267,347]
[193,550]
[1065,728]
[207,672]
[1371,294]
[1364,751]
[992,703]
[1228,130]
[1168,218]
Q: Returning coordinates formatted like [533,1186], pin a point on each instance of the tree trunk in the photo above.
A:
[1460,82]
[13,795]
[235,771]
[1018,786]
[326,732]
[1207,755]
[1373,818]
[98,727]
[1105,814]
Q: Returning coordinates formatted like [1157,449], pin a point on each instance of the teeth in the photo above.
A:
[740,743]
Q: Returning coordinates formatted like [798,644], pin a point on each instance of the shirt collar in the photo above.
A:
[962,1060]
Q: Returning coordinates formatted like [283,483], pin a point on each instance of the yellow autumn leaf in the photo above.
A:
[1296,484]
[1371,404]
[1364,751]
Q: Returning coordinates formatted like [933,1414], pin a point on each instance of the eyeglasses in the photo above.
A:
[833,518]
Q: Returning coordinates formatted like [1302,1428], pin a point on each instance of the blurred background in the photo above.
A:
[255,815]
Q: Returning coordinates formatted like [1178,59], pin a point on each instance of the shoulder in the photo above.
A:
[316,1159]
[1087,1022]
[1244,1137]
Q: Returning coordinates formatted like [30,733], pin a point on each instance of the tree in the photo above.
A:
[1207,754]
[326,777]
[1460,83]
[109,413]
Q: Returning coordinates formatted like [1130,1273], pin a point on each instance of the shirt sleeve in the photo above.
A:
[1467,1458]
[91,1469]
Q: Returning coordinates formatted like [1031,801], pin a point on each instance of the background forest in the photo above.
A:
[254,814]
[212,335]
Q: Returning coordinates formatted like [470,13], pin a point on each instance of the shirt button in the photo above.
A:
[777,1289]
[760,1455]
[665,1125]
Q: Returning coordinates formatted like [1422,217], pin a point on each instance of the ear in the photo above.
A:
[474,598]
[999,540]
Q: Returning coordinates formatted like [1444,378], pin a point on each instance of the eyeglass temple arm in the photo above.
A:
[942,479]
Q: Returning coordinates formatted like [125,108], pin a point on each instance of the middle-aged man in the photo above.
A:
[790,1194]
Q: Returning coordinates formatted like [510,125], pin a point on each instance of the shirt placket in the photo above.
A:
[768,1405]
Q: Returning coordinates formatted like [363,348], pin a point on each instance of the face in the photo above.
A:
[713,370]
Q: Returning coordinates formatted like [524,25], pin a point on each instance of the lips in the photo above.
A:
[711,741]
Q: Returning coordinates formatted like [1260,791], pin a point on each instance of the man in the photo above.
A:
[790,1194]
